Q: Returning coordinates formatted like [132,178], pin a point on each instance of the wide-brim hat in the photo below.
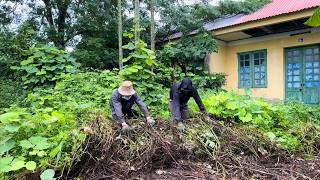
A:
[126,88]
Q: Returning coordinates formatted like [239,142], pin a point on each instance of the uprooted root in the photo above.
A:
[206,151]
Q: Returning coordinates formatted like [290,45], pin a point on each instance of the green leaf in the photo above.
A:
[5,164]
[47,175]
[314,20]
[34,152]
[31,165]
[17,165]
[26,144]
[7,146]
[231,105]
[26,62]
[132,69]
[12,128]
[42,72]
[41,153]
[31,70]
[56,150]
[39,54]
[150,61]
[271,135]
[9,117]
[246,118]
[39,141]
[4,139]
[129,35]
[129,46]
[140,56]
[126,59]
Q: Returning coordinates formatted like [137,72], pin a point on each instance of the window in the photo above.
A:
[253,69]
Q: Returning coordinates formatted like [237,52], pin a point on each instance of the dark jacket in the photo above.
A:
[120,106]
[180,98]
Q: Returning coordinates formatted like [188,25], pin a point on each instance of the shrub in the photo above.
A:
[11,92]
[44,139]
[45,65]
[210,81]
[77,92]
[138,68]
[293,126]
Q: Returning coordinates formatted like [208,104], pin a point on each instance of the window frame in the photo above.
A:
[251,65]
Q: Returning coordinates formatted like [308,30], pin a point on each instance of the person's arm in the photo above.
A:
[175,100]
[141,105]
[117,108]
[198,100]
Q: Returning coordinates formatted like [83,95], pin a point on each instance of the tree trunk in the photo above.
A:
[136,22]
[152,28]
[174,73]
[57,32]
[120,33]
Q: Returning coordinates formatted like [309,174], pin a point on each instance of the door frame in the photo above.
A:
[285,49]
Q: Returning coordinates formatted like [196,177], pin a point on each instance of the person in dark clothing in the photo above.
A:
[180,93]
[121,103]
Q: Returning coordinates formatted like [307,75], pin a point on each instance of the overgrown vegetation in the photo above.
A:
[55,120]
[45,65]
[45,132]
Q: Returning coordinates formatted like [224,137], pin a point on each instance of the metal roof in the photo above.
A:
[279,7]
[223,22]
[275,8]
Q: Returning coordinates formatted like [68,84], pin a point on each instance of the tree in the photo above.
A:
[98,47]
[120,33]
[190,51]
[12,46]
[4,14]
[56,23]
[152,24]
[314,20]
[136,21]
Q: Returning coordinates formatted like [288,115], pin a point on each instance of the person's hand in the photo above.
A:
[181,127]
[88,130]
[150,121]
[125,127]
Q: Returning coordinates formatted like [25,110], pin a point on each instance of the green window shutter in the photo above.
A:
[245,70]
[252,69]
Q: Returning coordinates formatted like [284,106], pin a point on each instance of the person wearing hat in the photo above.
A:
[121,103]
[180,93]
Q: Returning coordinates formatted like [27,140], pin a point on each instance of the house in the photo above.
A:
[271,51]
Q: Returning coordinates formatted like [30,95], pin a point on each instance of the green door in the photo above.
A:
[303,74]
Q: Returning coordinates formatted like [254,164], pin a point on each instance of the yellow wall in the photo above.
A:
[226,61]
[217,62]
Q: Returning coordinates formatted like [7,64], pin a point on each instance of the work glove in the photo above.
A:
[150,121]
[181,127]
[125,127]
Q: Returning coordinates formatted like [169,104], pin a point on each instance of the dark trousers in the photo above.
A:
[128,114]
[184,111]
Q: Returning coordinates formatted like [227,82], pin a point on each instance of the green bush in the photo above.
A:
[209,81]
[138,68]
[11,92]
[45,65]
[293,126]
[37,141]
[77,92]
